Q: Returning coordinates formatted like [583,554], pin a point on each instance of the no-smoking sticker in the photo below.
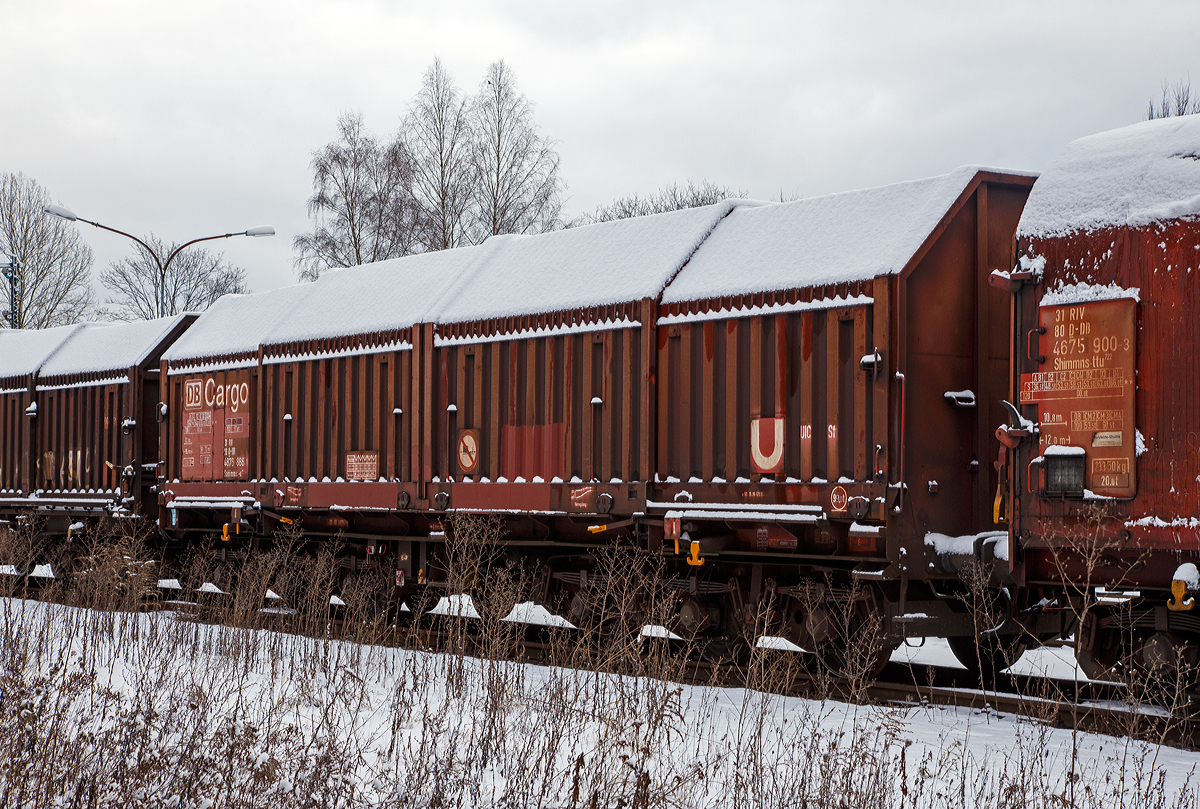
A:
[468,451]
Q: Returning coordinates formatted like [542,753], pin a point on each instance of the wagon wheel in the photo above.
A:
[985,656]
[857,649]
[844,632]
[1157,667]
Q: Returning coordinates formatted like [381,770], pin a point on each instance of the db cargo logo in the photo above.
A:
[193,394]
[208,394]
[583,497]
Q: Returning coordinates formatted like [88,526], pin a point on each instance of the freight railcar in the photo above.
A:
[79,425]
[828,375]
[1103,438]
[211,398]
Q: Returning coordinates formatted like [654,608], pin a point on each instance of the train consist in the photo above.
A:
[775,400]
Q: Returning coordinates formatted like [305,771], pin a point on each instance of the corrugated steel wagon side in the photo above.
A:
[22,354]
[209,436]
[1105,471]
[557,401]
[826,389]
[541,385]
[300,407]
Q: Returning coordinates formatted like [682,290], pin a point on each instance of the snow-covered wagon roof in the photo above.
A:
[23,351]
[506,276]
[833,239]
[595,265]
[237,324]
[382,296]
[1128,177]
[98,347]
[730,248]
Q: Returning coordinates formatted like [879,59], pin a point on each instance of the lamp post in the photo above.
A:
[70,216]
[16,290]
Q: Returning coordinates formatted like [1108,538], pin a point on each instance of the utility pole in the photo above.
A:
[16,291]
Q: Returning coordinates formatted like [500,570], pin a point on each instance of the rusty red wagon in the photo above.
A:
[1103,466]
[80,419]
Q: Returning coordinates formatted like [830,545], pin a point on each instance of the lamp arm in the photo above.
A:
[178,249]
[128,236]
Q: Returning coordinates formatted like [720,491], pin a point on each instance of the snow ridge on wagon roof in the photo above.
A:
[98,347]
[385,295]
[1128,177]
[594,265]
[505,276]
[24,351]
[237,324]
[851,236]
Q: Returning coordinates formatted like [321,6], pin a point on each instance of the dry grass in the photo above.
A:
[103,703]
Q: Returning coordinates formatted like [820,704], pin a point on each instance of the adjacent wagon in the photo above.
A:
[80,419]
[1105,428]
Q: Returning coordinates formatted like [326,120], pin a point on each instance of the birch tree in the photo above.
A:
[459,169]
[361,206]
[518,188]
[437,133]
[54,262]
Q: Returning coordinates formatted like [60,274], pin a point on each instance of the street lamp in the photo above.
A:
[11,268]
[70,216]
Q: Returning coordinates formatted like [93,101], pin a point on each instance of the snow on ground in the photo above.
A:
[152,709]
[1049,661]
[926,652]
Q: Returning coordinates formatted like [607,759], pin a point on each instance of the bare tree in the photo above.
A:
[459,169]
[518,188]
[1176,100]
[194,281]
[361,208]
[437,132]
[53,287]
[673,197]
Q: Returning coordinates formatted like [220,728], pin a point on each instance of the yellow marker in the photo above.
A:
[695,559]
[1180,600]
[596,529]
[676,546]
[421,576]
[286,520]
[998,515]
[225,532]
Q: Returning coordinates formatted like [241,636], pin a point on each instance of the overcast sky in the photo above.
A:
[187,120]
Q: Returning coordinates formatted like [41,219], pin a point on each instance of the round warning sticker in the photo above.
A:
[838,499]
[468,451]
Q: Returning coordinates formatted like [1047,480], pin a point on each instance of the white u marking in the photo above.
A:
[762,460]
